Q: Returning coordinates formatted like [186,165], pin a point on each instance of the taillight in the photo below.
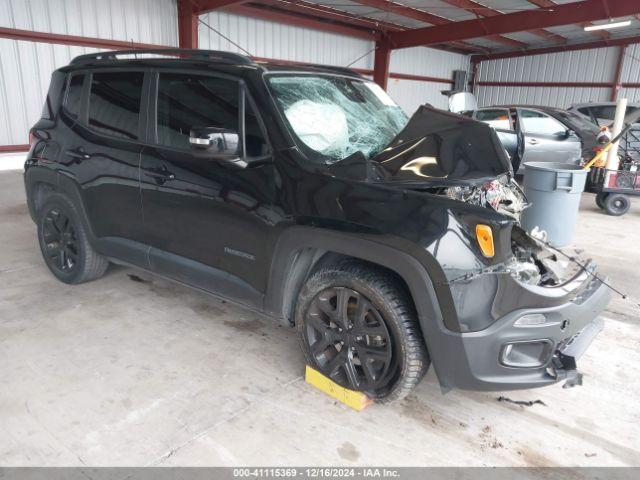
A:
[32,138]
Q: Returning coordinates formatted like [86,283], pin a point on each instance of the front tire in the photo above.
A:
[617,204]
[64,244]
[358,327]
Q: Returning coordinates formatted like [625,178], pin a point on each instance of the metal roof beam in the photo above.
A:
[483,11]
[319,17]
[301,20]
[332,14]
[62,39]
[426,17]
[577,12]
[612,42]
[204,6]
[550,4]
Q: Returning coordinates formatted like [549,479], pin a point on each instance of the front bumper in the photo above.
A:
[480,361]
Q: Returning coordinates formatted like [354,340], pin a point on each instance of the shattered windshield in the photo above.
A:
[336,117]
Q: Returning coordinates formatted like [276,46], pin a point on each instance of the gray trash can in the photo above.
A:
[554,190]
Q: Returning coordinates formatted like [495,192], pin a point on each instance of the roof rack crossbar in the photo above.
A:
[194,53]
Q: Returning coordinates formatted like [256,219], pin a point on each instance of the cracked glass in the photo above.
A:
[335,117]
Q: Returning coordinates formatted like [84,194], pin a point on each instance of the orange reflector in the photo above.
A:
[485,240]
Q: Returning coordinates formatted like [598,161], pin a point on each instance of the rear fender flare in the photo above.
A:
[60,183]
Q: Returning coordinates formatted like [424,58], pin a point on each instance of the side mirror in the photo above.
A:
[566,134]
[210,141]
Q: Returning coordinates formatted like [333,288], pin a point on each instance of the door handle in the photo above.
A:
[532,141]
[79,154]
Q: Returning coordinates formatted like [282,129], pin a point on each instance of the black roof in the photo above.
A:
[195,57]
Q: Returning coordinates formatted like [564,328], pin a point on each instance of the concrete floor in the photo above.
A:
[126,372]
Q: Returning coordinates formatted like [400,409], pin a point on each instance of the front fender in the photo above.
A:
[294,257]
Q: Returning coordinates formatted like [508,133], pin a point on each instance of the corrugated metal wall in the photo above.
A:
[25,70]
[423,61]
[267,39]
[144,21]
[561,97]
[631,73]
[25,67]
[593,66]
[286,42]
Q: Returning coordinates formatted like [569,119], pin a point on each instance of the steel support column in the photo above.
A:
[473,81]
[187,25]
[382,59]
[616,85]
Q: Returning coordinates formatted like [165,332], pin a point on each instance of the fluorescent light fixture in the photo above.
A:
[607,26]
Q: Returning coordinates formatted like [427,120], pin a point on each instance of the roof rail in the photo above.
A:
[214,55]
[344,70]
[288,63]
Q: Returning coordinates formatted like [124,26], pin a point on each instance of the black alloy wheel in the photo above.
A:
[61,243]
[64,242]
[357,326]
[349,340]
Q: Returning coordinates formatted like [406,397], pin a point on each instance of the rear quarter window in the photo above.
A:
[54,95]
[73,98]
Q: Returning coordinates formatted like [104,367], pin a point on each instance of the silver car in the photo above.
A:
[544,134]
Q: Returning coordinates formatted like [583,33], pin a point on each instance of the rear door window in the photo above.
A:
[587,112]
[73,99]
[497,118]
[604,113]
[186,101]
[114,103]
[539,123]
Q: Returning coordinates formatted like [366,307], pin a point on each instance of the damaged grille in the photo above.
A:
[503,195]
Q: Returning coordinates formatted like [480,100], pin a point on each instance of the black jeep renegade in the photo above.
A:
[304,192]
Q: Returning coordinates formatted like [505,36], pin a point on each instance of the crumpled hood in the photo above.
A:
[442,148]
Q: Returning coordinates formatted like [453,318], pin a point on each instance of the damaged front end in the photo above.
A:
[525,314]
[540,304]
[525,321]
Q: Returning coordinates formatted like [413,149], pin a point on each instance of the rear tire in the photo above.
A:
[358,327]
[617,204]
[64,244]
[600,198]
